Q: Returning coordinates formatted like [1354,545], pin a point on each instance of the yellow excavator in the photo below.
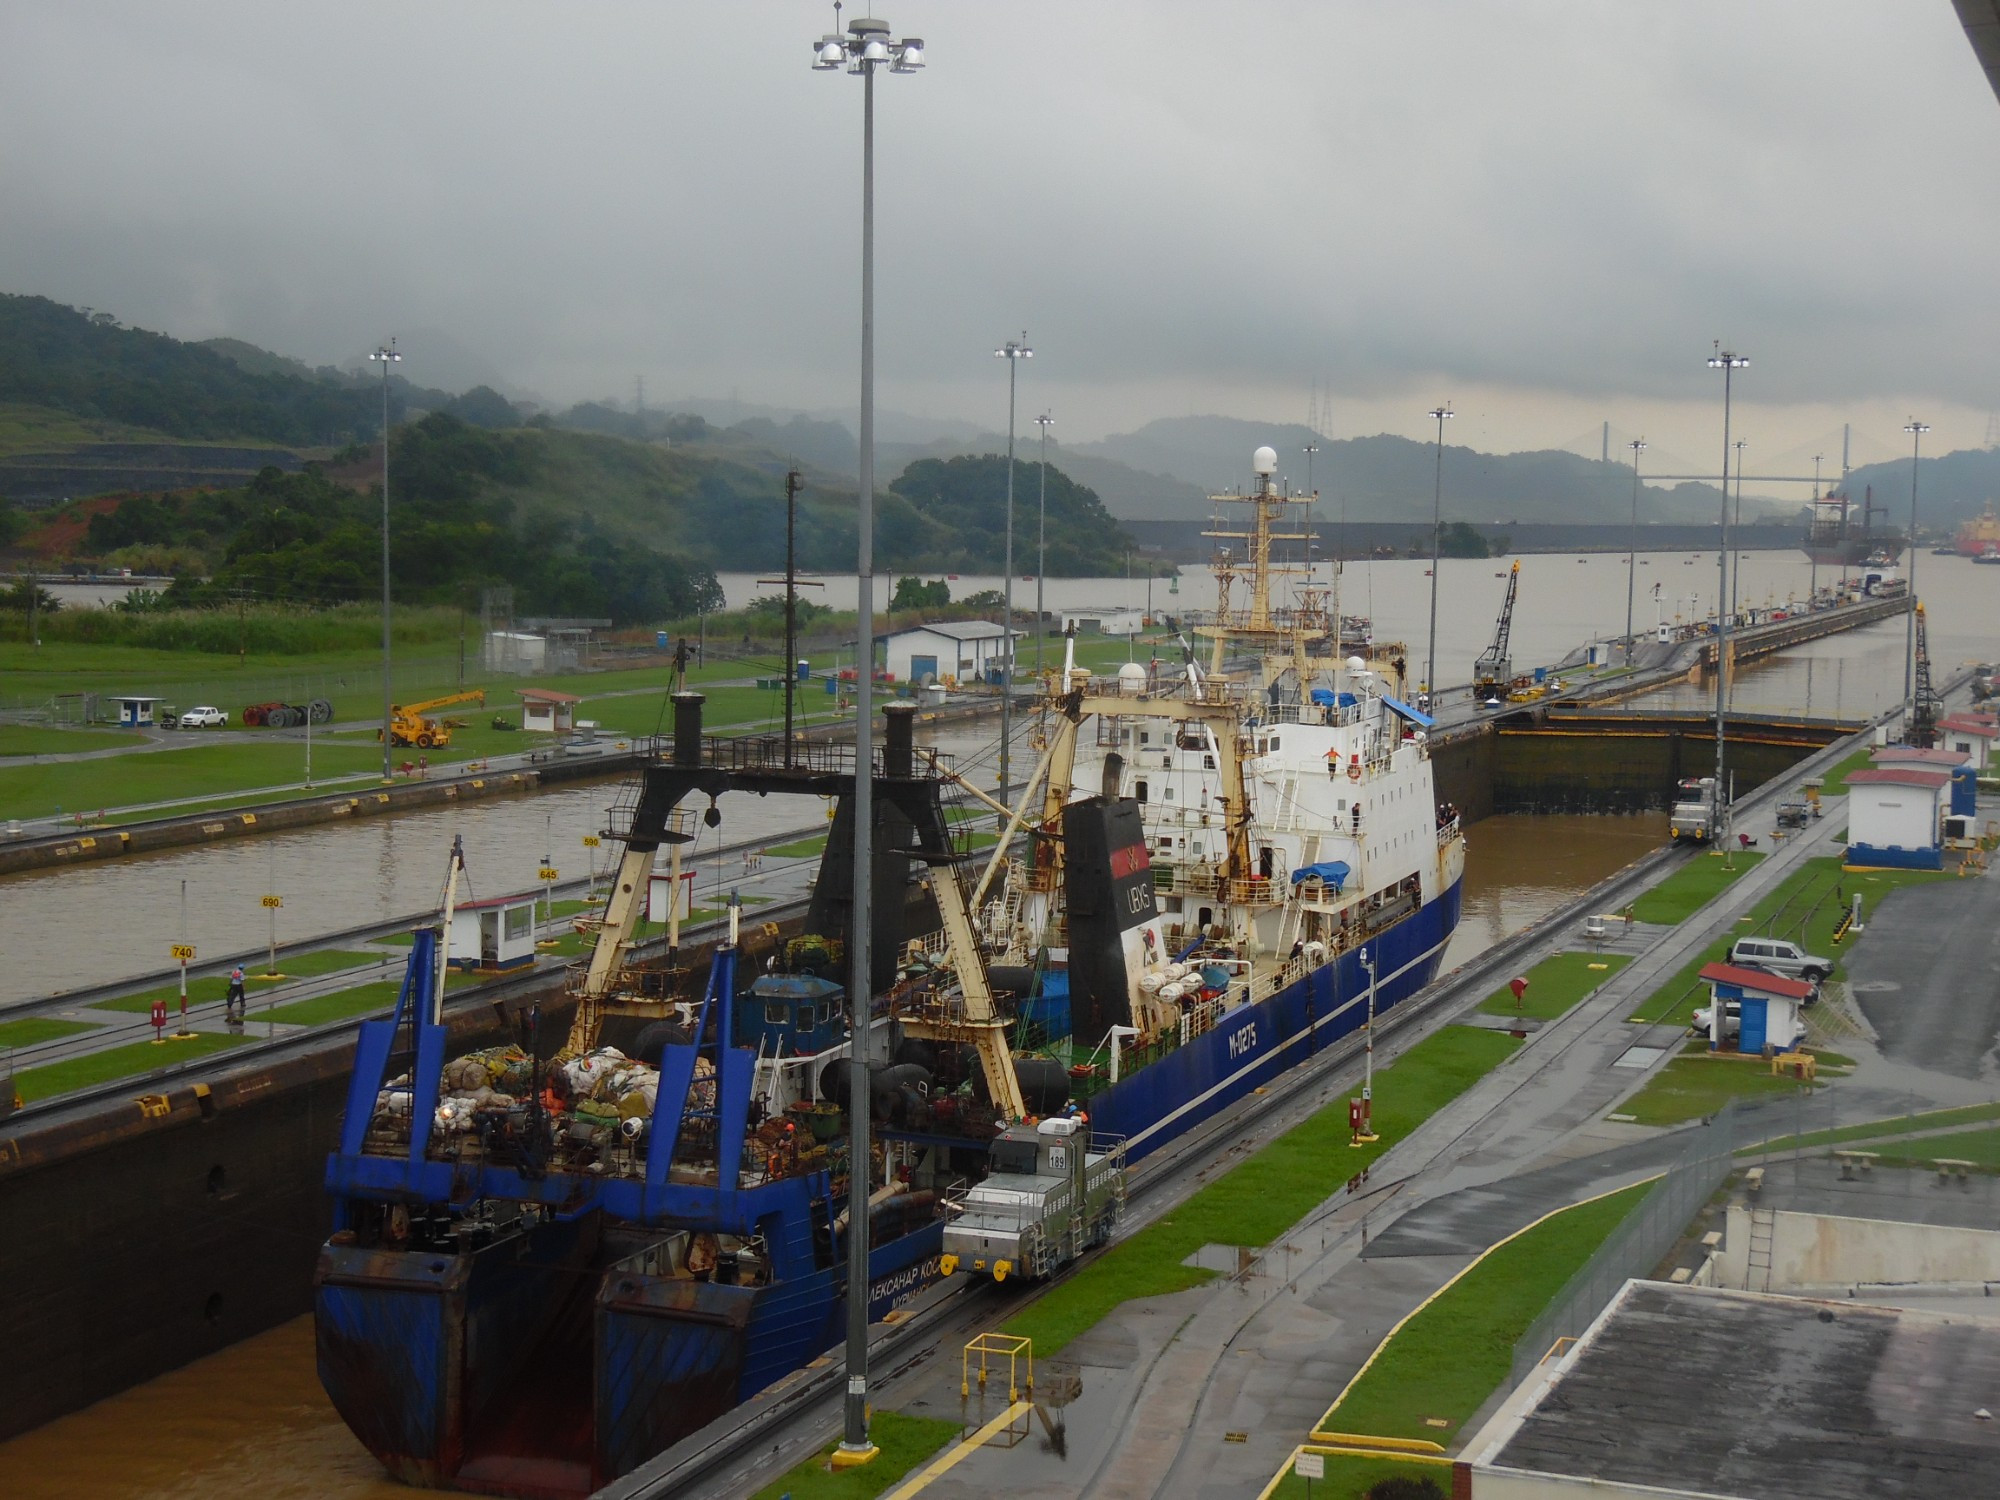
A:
[408,726]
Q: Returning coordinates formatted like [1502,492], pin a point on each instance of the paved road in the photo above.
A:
[1931,988]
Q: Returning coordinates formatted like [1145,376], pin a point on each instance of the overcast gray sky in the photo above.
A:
[1543,210]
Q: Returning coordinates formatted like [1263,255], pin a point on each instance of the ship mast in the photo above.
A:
[1258,626]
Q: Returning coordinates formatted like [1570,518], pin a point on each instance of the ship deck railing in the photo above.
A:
[1206,881]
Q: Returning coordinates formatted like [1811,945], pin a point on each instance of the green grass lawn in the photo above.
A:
[1350,1478]
[1260,1198]
[800,849]
[1980,1147]
[28,739]
[216,986]
[341,1005]
[904,1441]
[1966,1114]
[1803,909]
[1555,984]
[1453,1353]
[1699,1083]
[38,791]
[1692,887]
[1836,779]
[72,1073]
[31,1031]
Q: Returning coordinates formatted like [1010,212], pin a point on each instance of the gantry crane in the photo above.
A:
[1494,669]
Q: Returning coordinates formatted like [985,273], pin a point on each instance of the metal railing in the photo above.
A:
[1639,1243]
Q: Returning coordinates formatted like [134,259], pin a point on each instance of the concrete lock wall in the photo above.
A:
[1811,1251]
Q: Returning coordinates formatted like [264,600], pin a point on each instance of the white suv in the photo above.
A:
[204,717]
[1778,956]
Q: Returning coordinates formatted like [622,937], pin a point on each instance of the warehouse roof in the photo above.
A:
[1713,1392]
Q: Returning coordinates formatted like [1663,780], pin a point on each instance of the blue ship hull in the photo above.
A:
[1255,1043]
[492,1371]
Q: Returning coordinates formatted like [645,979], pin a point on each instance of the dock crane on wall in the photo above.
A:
[1494,669]
[1926,707]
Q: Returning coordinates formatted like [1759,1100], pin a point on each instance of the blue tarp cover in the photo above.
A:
[1421,720]
[1328,698]
[1333,872]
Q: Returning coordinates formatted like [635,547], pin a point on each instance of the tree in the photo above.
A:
[1461,539]
[914,593]
[27,592]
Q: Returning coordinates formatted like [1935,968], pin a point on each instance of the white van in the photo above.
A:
[1778,956]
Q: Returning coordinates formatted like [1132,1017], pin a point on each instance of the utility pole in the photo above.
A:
[385,356]
[794,482]
[1045,421]
[1729,363]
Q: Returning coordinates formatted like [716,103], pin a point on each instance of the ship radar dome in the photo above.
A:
[1131,677]
[1356,664]
[1264,461]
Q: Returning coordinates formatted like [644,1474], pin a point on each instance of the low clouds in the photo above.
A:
[1544,211]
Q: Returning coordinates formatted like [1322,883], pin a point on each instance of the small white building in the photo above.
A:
[1895,816]
[514,651]
[494,934]
[1970,736]
[135,712]
[1103,621]
[546,711]
[965,650]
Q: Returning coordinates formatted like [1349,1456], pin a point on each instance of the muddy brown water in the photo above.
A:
[251,1422]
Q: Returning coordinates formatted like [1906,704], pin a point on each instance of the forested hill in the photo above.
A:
[579,523]
[88,364]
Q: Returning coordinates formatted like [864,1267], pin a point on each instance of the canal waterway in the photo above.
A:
[251,1423]
[375,870]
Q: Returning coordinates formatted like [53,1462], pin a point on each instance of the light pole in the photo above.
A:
[1309,450]
[1638,446]
[1045,421]
[1916,430]
[1729,363]
[1013,351]
[1366,1133]
[387,356]
[1736,520]
[1442,414]
[864,48]
[1812,524]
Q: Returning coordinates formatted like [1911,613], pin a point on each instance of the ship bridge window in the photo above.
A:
[1011,1156]
[1139,789]
[1274,742]
[1208,762]
[776,1013]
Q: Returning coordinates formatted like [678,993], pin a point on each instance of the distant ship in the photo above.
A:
[1842,534]
[1979,538]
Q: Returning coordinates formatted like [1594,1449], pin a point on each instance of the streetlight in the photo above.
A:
[1729,363]
[1812,550]
[1366,1133]
[1638,446]
[387,356]
[1443,414]
[864,48]
[1013,351]
[1736,519]
[1309,450]
[1045,421]
[1916,430]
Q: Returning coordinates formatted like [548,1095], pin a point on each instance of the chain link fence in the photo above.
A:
[1640,1242]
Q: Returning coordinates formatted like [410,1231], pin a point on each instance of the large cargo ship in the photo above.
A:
[550,1264]
[1979,538]
[1842,534]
